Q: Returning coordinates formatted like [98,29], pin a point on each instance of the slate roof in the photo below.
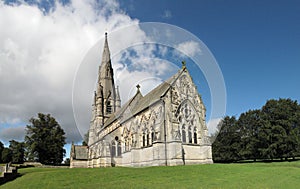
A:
[139,102]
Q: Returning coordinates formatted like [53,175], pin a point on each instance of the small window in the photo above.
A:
[119,149]
[183,135]
[152,137]
[126,145]
[113,149]
[148,140]
[190,136]
[195,136]
[144,140]
[108,108]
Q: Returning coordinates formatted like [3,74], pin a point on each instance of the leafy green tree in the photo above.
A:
[249,124]
[6,155]
[67,161]
[1,149]
[17,150]
[282,128]
[86,139]
[45,140]
[227,144]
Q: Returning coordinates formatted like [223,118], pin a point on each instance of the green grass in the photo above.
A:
[247,175]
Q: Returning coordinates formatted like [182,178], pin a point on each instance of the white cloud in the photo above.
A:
[167,14]
[190,48]
[41,51]
[39,55]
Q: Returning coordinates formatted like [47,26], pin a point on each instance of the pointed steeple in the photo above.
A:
[106,102]
[106,53]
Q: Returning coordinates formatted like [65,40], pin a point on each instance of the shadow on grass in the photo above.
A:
[9,178]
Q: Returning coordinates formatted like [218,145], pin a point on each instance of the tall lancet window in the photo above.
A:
[195,135]
[183,134]
[108,108]
[113,149]
[190,135]
[119,149]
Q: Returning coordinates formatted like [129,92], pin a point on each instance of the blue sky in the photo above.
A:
[256,44]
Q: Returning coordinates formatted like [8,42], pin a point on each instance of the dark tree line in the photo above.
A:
[44,142]
[272,132]
[14,153]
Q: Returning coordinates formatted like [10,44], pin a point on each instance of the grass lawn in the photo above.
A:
[247,175]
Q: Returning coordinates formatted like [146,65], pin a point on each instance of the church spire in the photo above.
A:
[106,102]
[106,53]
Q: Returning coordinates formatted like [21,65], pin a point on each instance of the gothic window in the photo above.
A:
[113,149]
[152,137]
[119,149]
[126,145]
[107,71]
[183,134]
[144,140]
[148,140]
[132,140]
[195,137]
[190,135]
[108,108]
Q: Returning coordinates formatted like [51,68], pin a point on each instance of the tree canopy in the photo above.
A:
[45,140]
[17,151]
[268,133]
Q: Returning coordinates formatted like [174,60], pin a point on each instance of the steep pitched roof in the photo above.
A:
[139,102]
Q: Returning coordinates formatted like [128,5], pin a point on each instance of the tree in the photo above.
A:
[227,144]
[6,155]
[250,124]
[282,128]
[17,150]
[67,161]
[86,139]
[45,140]
[1,149]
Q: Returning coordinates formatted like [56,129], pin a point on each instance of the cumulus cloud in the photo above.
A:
[42,49]
[167,14]
[190,48]
[39,54]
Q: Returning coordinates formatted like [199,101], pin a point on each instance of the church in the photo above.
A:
[165,127]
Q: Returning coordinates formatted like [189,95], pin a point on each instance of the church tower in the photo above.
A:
[106,98]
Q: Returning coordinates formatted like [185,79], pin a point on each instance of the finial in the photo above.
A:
[183,64]
[138,87]
[105,34]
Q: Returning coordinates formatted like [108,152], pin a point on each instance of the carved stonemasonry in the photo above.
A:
[165,127]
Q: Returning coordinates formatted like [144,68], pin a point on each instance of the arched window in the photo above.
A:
[132,141]
[119,151]
[190,135]
[152,137]
[126,145]
[144,140]
[113,149]
[183,134]
[108,108]
[195,135]
[148,140]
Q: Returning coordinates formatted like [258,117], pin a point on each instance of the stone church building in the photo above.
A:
[164,127]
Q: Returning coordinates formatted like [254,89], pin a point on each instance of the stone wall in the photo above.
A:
[8,173]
